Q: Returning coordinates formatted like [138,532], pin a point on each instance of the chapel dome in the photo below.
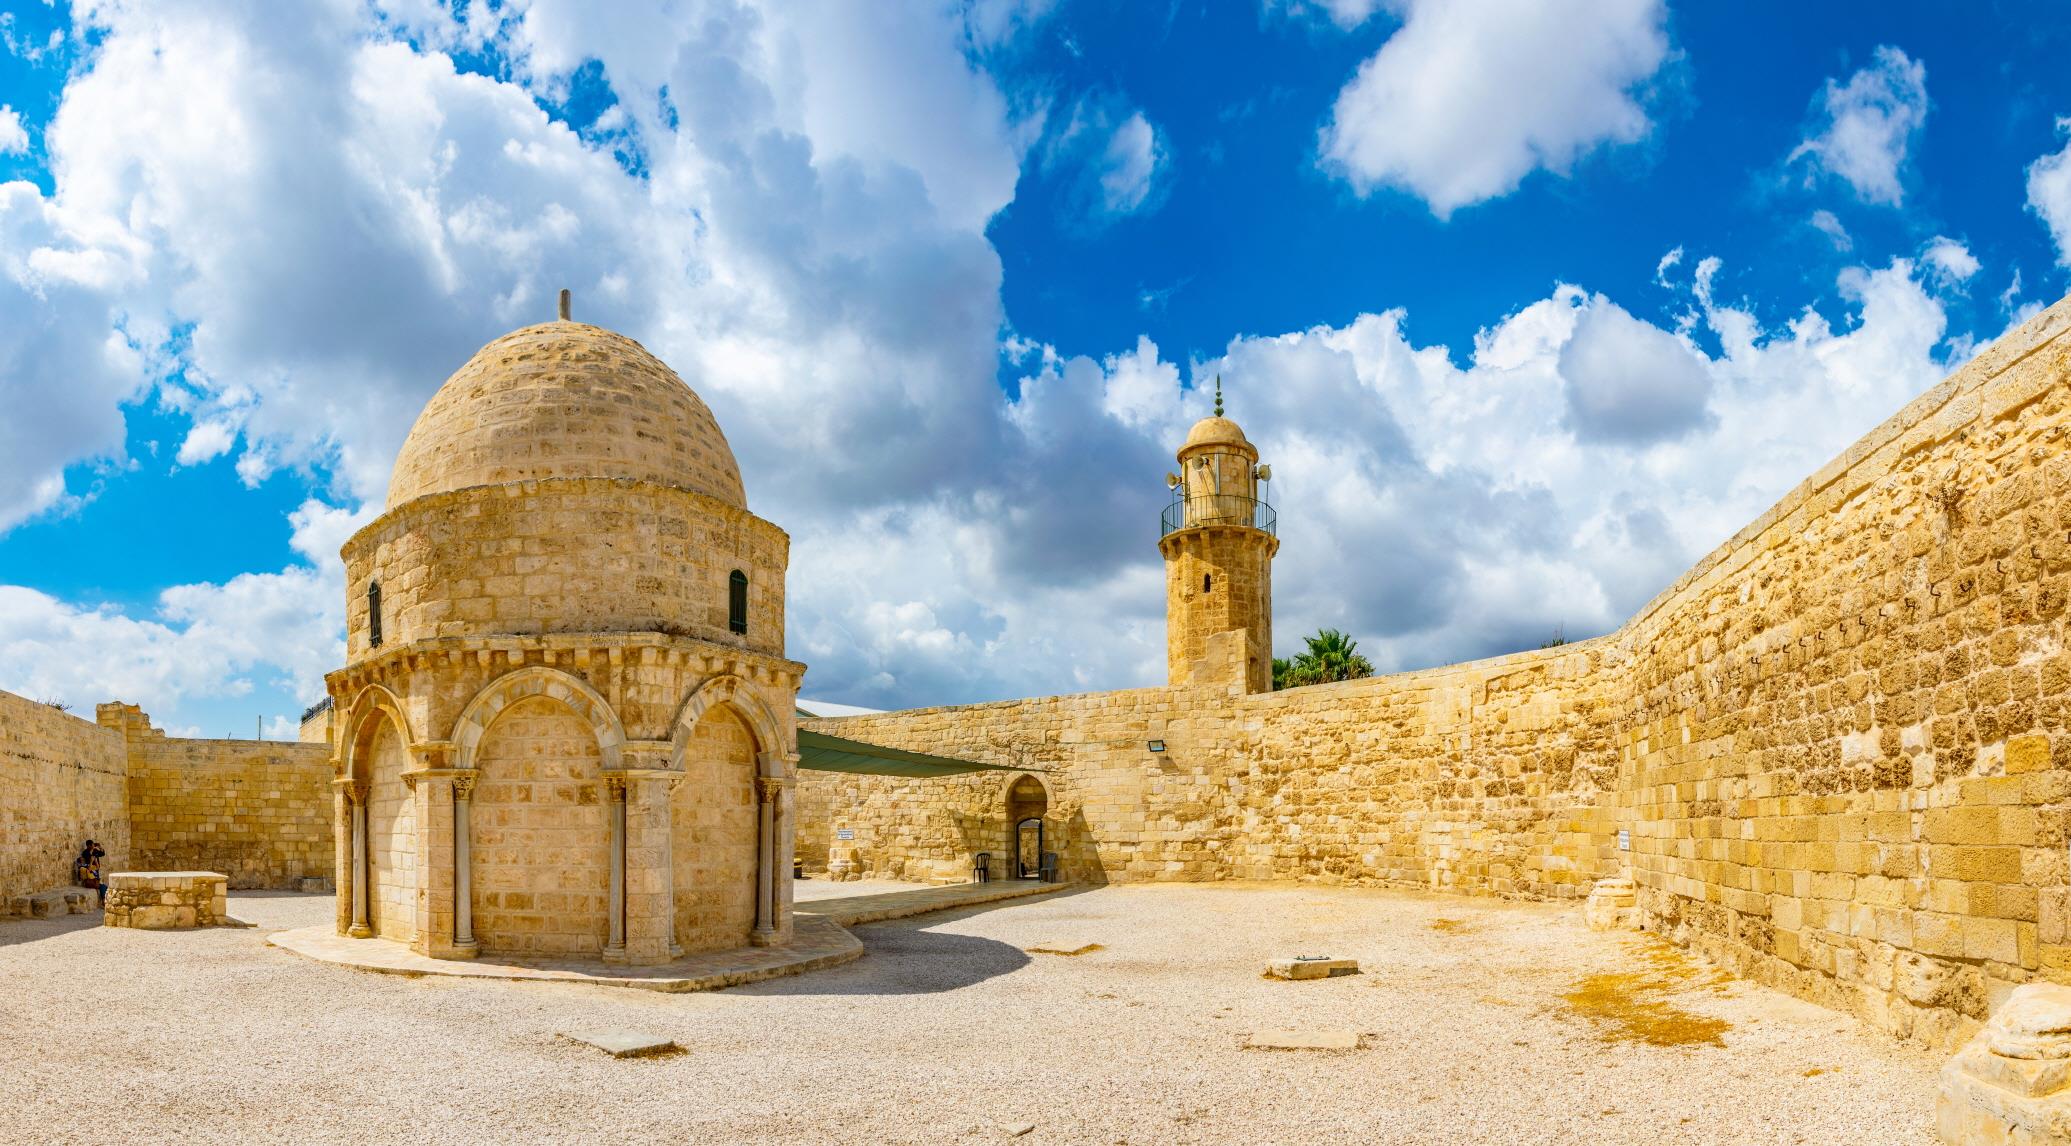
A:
[1215,431]
[565,400]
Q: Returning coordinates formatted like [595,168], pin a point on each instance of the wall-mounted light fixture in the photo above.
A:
[1157,746]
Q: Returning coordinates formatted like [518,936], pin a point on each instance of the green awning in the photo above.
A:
[823,753]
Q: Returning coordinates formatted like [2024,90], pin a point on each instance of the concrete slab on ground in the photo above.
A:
[619,1043]
[1310,967]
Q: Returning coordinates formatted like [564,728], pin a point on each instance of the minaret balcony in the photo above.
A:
[1218,509]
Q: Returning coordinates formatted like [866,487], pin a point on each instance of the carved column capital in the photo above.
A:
[464,785]
[615,787]
[355,792]
[770,789]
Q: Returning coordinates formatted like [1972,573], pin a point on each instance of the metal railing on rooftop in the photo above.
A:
[1218,509]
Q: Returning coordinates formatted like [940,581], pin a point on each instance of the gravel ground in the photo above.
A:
[947,1031]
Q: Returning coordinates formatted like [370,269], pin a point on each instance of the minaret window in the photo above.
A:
[737,602]
[374,614]
[1207,582]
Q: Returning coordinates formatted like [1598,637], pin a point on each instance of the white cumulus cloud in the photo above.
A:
[1864,128]
[2049,194]
[1113,161]
[14,138]
[1470,96]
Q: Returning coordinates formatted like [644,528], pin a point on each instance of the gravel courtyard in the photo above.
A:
[1480,1021]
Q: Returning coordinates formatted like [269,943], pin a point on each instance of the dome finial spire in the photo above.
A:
[1218,393]
[565,297]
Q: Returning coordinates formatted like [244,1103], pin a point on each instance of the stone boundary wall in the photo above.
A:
[258,811]
[1835,755]
[62,782]
[1475,778]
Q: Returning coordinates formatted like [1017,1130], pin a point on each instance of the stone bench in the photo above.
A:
[45,904]
[158,900]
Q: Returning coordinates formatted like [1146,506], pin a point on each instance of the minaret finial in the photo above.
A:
[564,304]
[1218,393]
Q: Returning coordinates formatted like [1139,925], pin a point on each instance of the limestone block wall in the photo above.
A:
[1486,778]
[1835,754]
[258,811]
[524,558]
[62,782]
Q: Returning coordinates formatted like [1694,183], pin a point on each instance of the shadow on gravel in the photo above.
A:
[899,959]
[14,932]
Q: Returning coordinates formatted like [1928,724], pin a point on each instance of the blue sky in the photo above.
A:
[1529,305]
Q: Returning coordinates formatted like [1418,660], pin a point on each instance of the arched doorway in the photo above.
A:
[1027,800]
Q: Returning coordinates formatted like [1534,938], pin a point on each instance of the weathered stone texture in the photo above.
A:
[564,400]
[258,811]
[62,782]
[559,652]
[1838,750]
[164,900]
[541,881]
[524,558]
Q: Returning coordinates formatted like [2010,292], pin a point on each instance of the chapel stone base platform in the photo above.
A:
[815,943]
[818,941]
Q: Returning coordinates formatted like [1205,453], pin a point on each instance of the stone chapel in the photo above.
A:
[566,721]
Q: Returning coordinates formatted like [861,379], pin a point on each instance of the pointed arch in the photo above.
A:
[740,696]
[538,680]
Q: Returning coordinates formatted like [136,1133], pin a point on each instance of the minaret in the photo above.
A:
[1218,540]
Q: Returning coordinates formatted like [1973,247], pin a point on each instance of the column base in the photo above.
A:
[615,955]
[763,937]
[467,950]
[360,931]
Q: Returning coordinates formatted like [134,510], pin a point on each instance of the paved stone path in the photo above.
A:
[819,941]
[851,910]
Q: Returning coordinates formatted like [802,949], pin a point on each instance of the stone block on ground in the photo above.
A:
[1310,967]
[623,1043]
[2011,1085]
[165,900]
[1302,1040]
[1613,905]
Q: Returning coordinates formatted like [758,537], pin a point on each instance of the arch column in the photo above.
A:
[464,945]
[648,885]
[615,815]
[772,922]
[345,876]
[356,795]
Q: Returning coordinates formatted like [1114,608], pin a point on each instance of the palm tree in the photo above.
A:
[1331,655]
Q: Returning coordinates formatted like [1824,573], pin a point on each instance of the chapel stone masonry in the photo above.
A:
[565,728]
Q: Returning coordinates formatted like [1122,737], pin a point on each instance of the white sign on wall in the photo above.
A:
[1624,839]
[845,833]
